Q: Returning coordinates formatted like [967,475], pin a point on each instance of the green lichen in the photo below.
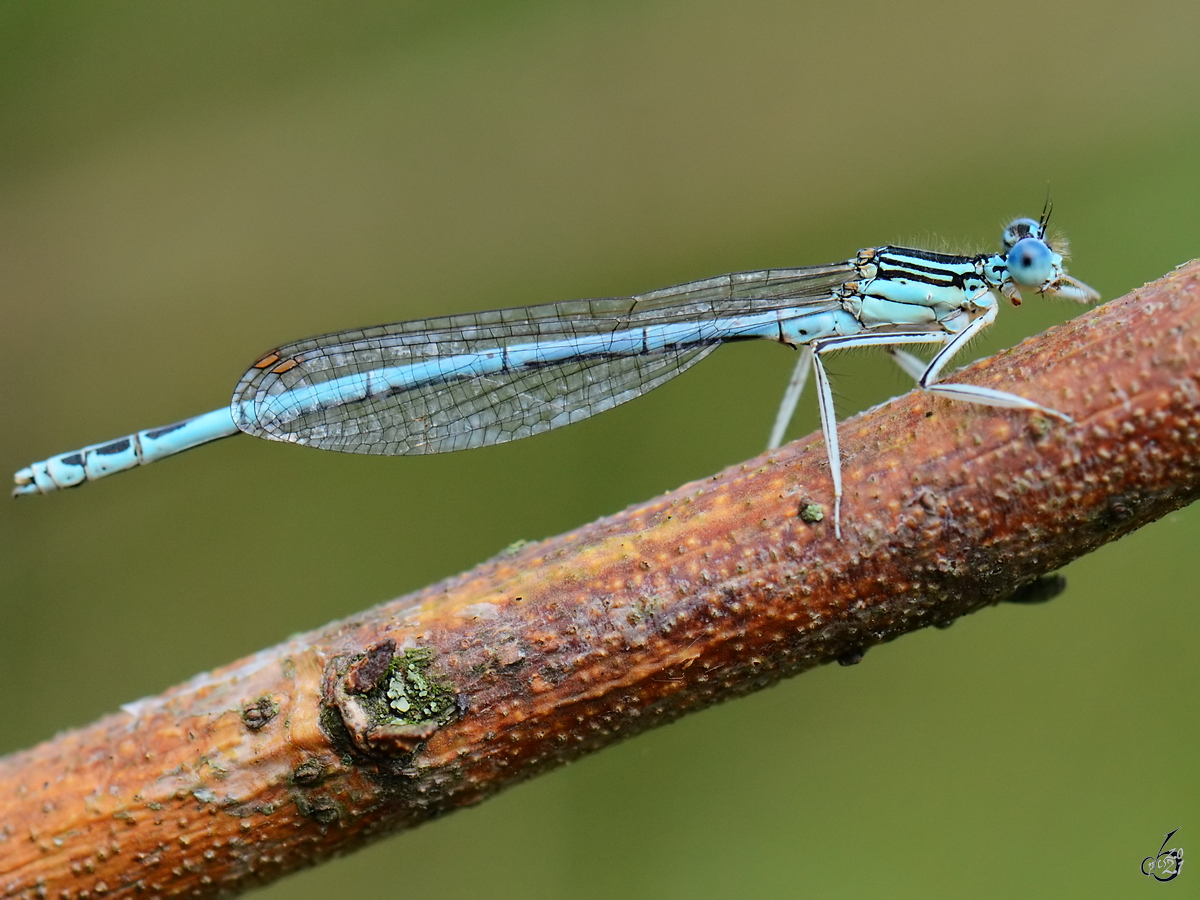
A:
[811,512]
[409,694]
[413,695]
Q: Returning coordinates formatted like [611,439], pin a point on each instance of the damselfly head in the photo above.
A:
[1032,263]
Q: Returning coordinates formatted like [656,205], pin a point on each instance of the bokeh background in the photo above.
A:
[183,186]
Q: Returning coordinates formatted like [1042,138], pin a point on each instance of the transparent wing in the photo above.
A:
[469,408]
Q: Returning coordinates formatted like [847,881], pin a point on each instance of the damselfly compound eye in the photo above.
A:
[1030,262]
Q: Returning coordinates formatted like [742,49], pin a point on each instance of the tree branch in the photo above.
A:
[555,649]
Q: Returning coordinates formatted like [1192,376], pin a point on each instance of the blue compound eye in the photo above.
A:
[1022,228]
[1030,262]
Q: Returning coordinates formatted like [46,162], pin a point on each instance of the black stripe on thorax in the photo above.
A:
[897,263]
[948,259]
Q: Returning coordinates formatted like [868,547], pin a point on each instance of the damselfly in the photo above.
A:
[455,382]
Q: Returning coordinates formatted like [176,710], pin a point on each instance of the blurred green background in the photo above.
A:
[183,186]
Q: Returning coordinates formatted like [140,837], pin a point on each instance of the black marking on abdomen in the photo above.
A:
[119,446]
[155,433]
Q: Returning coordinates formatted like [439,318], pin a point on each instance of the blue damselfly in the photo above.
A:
[456,382]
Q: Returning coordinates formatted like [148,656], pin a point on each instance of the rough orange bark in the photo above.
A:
[555,649]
